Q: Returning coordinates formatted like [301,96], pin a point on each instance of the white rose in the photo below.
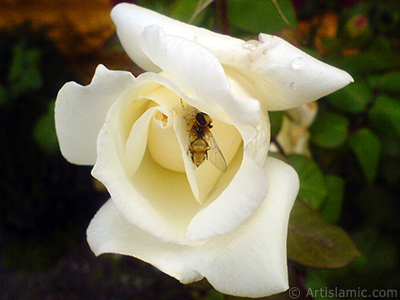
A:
[192,222]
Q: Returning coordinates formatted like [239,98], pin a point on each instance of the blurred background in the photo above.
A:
[349,148]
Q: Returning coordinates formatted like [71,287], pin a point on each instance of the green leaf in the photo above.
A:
[201,6]
[279,10]
[385,115]
[367,147]
[329,130]
[316,243]
[44,131]
[162,7]
[214,295]
[352,99]
[261,16]
[333,202]
[183,9]
[24,73]
[388,82]
[275,118]
[312,185]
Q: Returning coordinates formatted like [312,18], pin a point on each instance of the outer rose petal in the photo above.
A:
[284,76]
[198,71]
[80,112]
[250,262]
[287,77]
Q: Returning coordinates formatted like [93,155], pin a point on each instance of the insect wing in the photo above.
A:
[191,138]
[215,155]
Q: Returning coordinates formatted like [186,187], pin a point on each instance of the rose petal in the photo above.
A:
[177,57]
[284,76]
[254,255]
[149,195]
[249,262]
[235,204]
[131,20]
[137,142]
[81,110]
[240,190]
[110,232]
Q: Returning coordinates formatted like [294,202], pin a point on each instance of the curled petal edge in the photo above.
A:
[80,112]
[283,75]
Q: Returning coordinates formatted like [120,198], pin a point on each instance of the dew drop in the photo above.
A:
[298,63]
[293,86]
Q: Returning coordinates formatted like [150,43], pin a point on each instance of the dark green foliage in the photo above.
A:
[313,242]
[276,119]
[367,147]
[43,198]
[355,141]
[352,99]
[260,16]
[312,187]
[350,188]
[329,130]
[332,205]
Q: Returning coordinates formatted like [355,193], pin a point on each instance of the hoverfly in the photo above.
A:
[202,144]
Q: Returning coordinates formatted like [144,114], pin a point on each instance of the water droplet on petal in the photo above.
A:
[293,86]
[298,63]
